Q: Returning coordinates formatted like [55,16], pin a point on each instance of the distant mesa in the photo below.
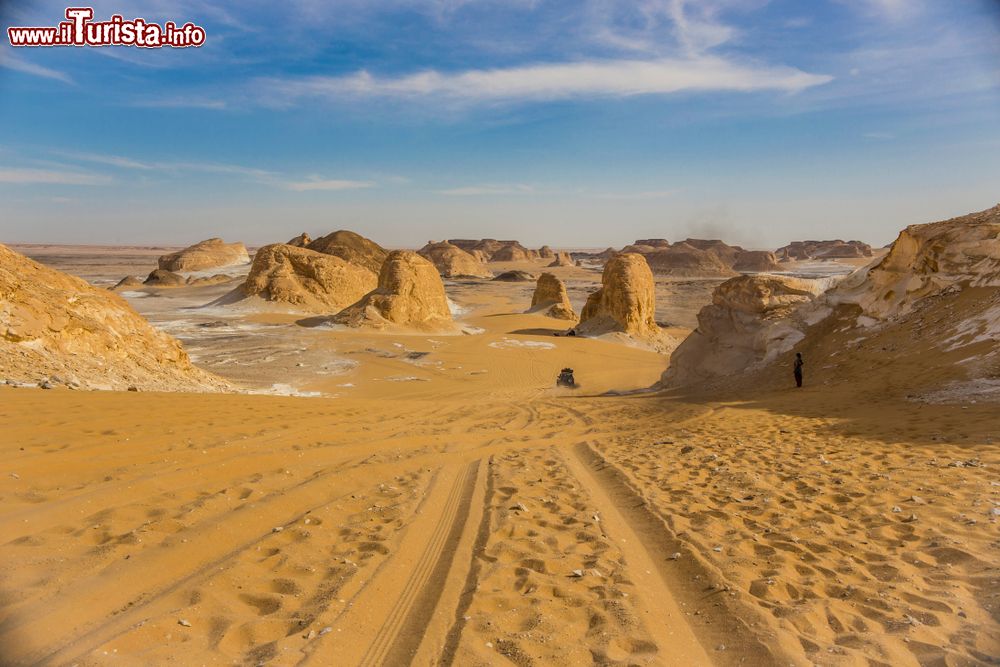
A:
[453,262]
[164,278]
[626,301]
[562,259]
[551,298]
[747,324]
[127,283]
[726,253]
[806,250]
[684,259]
[653,243]
[756,261]
[515,277]
[352,247]
[300,241]
[56,329]
[409,294]
[305,279]
[492,250]
[210,254]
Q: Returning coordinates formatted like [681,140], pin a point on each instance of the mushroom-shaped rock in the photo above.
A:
[306,279]
[409,294]
[352,247]
[453,262]
[626,301]
[551,298]
[209,254]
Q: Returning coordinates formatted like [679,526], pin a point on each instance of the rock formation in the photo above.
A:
[927,260]
[757,261]
[837,249]
[300,241]
[305,279]
[60,330]
[653,243]
[209,254]
[410,294]
[726,253]
[683,259]
[205,281]
[127,283]
[626,301]
[514,277]
[551,298]
[351,247]
[453,262]
[164,278]
[513,252]
[546,252]
[747,325]
[562,259]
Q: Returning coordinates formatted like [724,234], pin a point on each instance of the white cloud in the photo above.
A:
[9,61]
[328,184]
[637,196]
[608,78]
[35,176]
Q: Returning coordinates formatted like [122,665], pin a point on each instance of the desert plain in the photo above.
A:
[381,495]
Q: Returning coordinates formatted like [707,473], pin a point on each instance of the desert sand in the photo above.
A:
[430,498]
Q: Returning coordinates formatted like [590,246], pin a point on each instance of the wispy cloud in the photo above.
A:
[637,196]
[328,184]
[488,190]
[9,61]
[181,102]
[609,78]
[21,176]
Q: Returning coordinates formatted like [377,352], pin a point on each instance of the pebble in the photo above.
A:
[277,529]
[183,621]
[519,507]
[325,631]
[676,555]
[577,574]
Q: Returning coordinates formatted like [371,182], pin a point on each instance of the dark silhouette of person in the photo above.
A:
[797,369]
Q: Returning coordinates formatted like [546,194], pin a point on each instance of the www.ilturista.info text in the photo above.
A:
[80,30]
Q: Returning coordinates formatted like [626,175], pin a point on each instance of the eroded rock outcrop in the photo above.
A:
[305,279]
[59,329]
[164,278]
[453,262]
[748,324]
[551,298]
[514,277]
[562,259]
[513,252]
[626,302]
[127,283]
[209,254]
[300,241]
[353,248]
[410,294]
[836,249]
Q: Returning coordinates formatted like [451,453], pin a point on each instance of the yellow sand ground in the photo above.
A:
[478,516]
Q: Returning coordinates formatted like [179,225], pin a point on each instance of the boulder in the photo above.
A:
[53,325]
[127,283]
[453,262]
[410,294]
[514,277]
[305,279]
[353,248]
[210,254]
[551,298]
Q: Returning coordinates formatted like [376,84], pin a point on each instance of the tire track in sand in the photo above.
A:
[720,638]
[386,621]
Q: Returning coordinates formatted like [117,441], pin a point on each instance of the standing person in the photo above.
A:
[797,369]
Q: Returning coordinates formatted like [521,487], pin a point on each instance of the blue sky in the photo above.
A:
[579,123]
